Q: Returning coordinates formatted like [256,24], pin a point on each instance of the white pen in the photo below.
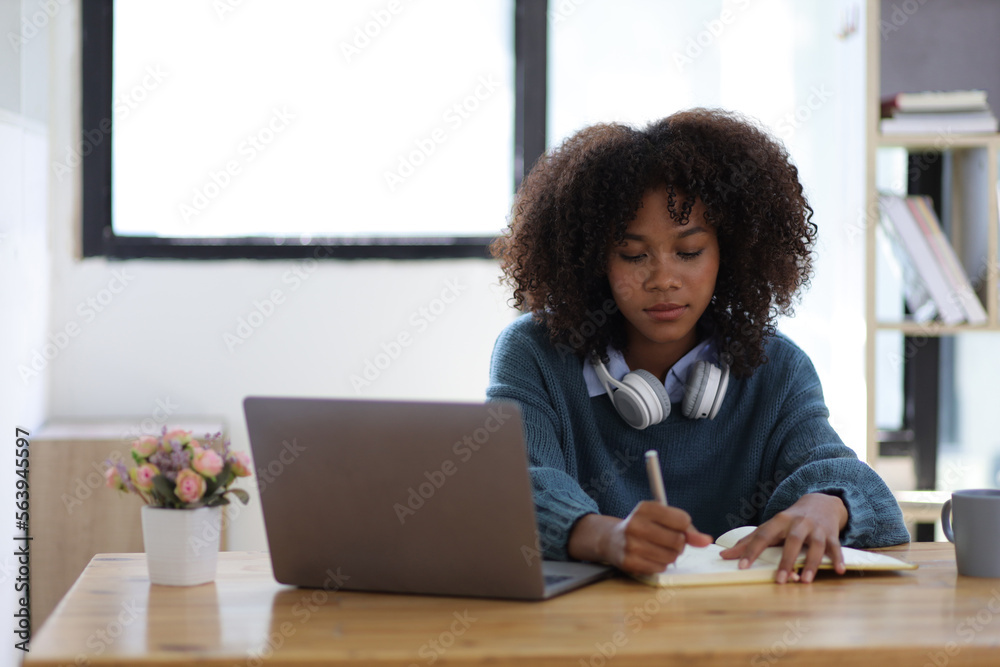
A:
[655,476]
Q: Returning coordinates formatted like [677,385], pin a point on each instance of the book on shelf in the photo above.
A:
[923,210]
[912,222]
[918,300]
[703,566]
[959,111]
[977,122]
[935,101]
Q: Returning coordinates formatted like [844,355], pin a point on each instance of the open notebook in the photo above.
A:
[704,567]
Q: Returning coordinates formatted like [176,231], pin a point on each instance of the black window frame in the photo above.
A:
[99,239]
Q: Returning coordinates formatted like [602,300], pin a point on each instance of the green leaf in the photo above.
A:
[211,484]
[241,494]
[163,488]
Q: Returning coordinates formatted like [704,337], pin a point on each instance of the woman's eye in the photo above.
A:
[689,255]
[632,258]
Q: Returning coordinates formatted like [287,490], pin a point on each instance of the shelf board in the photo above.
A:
[934,328]
[938,140]
[921,506]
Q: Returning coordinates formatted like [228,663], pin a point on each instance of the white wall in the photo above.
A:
[24,266]
[154,333]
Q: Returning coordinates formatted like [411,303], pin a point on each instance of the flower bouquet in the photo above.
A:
[177,471]
[184,482]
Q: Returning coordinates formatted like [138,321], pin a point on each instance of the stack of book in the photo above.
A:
[938,112]
[927,256]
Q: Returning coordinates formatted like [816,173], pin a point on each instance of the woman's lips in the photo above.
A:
[666,312]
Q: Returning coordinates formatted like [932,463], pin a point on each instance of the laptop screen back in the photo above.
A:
[409,497]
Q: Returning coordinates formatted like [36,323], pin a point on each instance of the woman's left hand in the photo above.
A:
[814,522]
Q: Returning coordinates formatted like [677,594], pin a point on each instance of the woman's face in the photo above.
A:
[663,275]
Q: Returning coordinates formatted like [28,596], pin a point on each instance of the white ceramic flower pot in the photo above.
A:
[182,546]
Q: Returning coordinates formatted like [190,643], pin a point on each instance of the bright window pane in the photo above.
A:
[312,118]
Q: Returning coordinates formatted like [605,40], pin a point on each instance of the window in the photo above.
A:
[383,128]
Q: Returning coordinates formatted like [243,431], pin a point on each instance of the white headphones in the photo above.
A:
[642,401]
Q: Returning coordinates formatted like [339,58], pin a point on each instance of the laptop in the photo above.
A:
[402,497]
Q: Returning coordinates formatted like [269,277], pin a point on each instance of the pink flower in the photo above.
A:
[145,446]
[180,437]
[190,486]
[207,462]
[240,461]
[113,478]
[143,475]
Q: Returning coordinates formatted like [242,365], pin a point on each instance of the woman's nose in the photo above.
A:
[661,275]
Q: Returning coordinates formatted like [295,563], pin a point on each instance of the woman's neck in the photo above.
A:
[658,358]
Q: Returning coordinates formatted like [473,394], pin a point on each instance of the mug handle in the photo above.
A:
[946,520]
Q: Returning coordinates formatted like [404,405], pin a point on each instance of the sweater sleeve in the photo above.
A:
[813,459]
[520,372]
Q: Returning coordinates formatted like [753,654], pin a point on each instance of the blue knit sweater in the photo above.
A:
[770,444]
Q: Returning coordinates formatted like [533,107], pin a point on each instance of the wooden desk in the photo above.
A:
[113,616]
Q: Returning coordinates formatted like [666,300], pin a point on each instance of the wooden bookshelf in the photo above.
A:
[937,141]
[922,43]
[933,328]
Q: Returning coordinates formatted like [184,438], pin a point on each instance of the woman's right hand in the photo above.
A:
[644,542]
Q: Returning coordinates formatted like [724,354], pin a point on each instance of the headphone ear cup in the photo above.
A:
[650,395]
[630,407]
[721,394]
[701,390]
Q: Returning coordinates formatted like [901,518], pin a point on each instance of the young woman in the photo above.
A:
[661,258]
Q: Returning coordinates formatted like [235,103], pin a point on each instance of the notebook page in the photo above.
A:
[704,567]
[854,559]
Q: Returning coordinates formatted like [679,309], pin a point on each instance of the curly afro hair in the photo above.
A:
[578,200]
